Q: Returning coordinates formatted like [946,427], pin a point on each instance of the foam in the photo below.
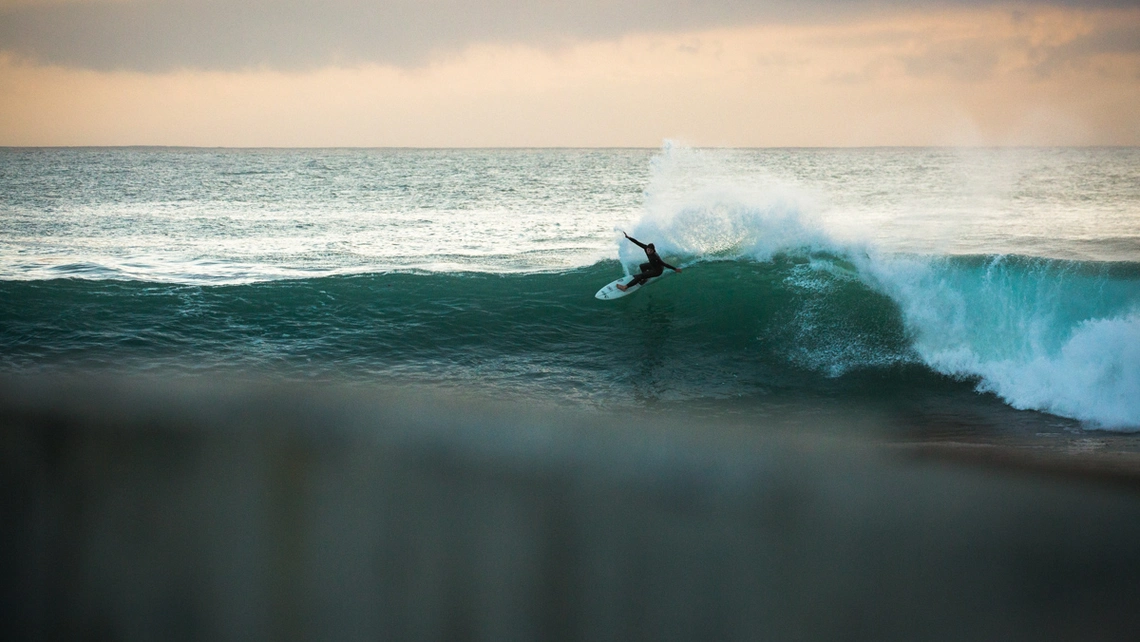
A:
[1095,377]
[1034,332]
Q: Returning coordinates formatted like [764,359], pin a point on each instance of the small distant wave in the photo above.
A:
[161,270]
[82,270]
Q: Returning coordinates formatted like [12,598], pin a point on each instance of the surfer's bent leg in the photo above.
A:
[639,279]
[647,272]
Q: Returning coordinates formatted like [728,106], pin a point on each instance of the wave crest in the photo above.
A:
[1046,334]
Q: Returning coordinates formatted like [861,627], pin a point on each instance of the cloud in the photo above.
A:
[771,85]
[163,35]
[967,61]
[1121,39]
[978,46]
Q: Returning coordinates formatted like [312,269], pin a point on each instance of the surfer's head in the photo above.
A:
[650,246]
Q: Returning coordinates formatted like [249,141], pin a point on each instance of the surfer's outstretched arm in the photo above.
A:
[635,241]
[675,269]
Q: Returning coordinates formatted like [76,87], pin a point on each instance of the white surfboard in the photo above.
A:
[611,290]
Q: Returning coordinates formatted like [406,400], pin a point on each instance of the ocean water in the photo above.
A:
[937,286]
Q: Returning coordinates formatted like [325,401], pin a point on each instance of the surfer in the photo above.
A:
[649,270]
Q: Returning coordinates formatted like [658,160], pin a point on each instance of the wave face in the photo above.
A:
[1051,335]
[723,329]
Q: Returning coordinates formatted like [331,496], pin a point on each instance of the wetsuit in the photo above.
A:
[649,270]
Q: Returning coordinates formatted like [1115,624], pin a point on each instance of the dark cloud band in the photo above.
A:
[160,35]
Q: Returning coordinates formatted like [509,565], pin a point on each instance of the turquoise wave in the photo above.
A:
[816,323]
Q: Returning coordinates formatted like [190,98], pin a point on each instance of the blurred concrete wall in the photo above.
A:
[171,511]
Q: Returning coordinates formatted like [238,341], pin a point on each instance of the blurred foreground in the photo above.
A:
[182,511]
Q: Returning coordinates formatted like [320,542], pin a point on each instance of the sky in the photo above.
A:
[568,73]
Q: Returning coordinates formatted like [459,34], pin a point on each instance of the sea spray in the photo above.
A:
[695,208]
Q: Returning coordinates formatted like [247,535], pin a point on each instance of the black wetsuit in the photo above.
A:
[649,270]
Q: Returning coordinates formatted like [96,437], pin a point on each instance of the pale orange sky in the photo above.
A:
[952,76]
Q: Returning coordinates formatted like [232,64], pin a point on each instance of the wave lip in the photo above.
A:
[1095,377]
[1057,336]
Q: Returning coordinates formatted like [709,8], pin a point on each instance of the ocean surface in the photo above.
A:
[936,287]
